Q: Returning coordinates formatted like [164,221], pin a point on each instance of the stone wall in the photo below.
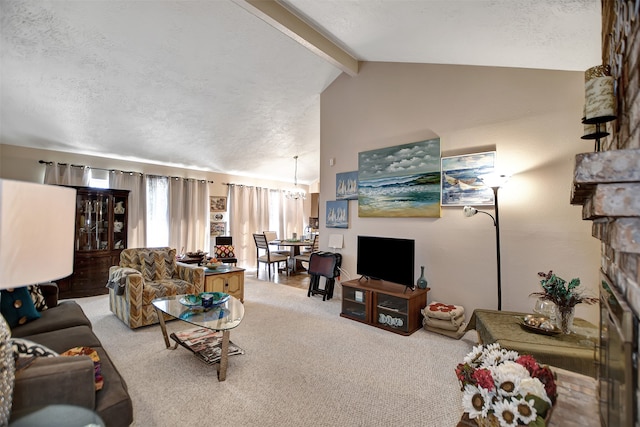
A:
[607,183]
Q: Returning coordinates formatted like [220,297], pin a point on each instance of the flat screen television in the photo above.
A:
[386,258]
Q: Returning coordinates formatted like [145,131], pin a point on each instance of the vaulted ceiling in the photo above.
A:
[234,86]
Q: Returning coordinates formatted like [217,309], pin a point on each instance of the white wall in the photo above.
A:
[530,117]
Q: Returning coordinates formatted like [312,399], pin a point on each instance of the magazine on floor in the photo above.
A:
[204,343]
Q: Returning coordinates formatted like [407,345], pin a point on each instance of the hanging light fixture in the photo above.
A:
[296,193]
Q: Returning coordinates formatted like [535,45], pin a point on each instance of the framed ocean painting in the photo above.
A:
[347,186]
[337,214]
[461,179]
[400,181]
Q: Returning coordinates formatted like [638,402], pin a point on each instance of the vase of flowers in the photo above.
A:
[565,296]
[504,389]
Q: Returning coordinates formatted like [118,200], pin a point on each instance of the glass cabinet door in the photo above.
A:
[92,222]
[119,221]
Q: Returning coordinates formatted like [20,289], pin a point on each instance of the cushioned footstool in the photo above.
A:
[445,319]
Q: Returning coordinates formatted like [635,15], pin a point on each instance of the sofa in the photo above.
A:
[145,274]
[63,379]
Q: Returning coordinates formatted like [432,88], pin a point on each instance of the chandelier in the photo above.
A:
[297,193]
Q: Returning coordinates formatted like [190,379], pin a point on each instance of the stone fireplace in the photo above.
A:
[607,185]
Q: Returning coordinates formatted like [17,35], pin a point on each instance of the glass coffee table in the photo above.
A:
[222,317]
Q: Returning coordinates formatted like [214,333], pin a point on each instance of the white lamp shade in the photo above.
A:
[495,180]
[36,233]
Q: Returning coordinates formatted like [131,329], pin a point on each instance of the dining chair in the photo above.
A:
[271,236]
[305,255]
[262,244]
[225,252]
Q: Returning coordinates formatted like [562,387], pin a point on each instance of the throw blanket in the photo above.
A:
[449,325]
[118,278]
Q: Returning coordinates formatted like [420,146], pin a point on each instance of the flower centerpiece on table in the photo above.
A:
[564,295]
[502,388]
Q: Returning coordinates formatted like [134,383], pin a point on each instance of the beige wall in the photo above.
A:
[530,117]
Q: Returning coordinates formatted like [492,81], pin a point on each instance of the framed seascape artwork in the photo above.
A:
[338,214]
[461,179]
[400,181]
[218,203]
[347,186]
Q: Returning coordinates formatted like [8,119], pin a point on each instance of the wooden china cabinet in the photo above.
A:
[100,236]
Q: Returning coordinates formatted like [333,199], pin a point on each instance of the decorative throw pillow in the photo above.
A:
[224,251]
[38,299]
[93,354]
[25,348]
[17,306]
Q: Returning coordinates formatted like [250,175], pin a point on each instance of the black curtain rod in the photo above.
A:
[115,170]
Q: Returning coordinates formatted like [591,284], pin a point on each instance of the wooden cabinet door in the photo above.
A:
[235,285]
[215,283]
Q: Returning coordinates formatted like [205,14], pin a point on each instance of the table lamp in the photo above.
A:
[36,235]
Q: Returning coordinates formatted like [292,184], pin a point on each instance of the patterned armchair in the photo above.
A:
[145,274]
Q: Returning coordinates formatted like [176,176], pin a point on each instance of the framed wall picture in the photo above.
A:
[337,214]
[218,216]
[461,179]
[218,228]
[400,181]
[347,186]
[218,203]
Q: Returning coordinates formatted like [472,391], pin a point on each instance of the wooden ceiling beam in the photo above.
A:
[276,15]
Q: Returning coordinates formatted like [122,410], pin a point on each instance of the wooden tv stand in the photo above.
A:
[385,305]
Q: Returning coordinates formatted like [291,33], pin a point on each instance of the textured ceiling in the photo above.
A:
[209,85]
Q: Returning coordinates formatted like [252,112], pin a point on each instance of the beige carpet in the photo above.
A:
[304,365]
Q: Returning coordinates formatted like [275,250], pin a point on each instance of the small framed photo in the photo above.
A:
[218,203]
[218,216]
[218,228]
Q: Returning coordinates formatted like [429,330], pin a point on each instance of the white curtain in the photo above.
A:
[248,214]
[137,205]
[188,214]
[287,215]
[62,174]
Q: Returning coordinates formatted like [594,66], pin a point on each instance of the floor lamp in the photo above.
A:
[494,181]
[37,234]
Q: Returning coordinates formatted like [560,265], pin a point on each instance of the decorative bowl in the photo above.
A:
[192,300]
[213,265]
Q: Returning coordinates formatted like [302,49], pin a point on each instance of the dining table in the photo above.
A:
[294,249]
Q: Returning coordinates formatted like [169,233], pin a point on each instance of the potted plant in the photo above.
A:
[565,296]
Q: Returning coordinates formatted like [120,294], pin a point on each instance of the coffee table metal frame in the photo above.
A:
[205,318]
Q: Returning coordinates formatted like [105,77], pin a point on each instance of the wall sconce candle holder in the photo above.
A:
[600,103]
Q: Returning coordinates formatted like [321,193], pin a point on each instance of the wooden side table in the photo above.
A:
[225,279]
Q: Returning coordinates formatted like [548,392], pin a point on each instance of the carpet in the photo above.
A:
[303,365]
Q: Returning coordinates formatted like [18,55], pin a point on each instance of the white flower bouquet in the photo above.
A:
[500,387]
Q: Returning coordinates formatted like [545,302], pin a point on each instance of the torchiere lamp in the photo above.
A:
[495,181]
[36,235]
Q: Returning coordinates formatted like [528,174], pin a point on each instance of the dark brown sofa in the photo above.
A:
[68,380]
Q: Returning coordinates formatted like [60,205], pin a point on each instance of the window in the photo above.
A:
[98,178]
[157,211]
